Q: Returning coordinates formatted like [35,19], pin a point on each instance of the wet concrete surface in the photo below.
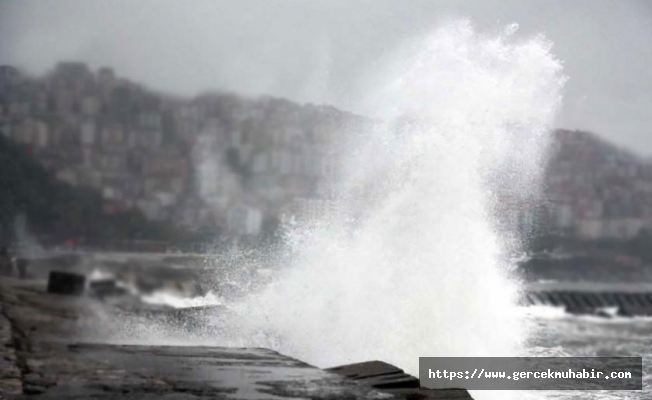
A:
[52,348]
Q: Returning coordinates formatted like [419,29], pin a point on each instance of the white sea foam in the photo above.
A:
[177,300]
[417,264]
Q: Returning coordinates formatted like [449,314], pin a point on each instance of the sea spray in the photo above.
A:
[413,264]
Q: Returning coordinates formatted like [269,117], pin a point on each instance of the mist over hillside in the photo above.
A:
[237,165]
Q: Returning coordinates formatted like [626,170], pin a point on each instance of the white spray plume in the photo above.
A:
[418,270]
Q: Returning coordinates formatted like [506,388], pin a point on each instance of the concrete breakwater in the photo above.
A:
[625,300]
[58,346]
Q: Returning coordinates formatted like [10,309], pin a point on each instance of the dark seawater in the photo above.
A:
[557,333]
[561,334]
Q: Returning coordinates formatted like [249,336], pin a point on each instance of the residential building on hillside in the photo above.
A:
[192,162]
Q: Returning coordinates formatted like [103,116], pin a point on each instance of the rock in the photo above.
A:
[10,387]
[10,382]
[33,389]
[634,310]
[575,310]
[105,287]
[66,283]
[596,312]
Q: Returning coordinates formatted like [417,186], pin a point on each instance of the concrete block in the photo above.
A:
[66,283]
[377,374]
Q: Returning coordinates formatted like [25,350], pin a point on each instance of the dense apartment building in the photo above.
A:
[596,190]
[215,161]
[223,161]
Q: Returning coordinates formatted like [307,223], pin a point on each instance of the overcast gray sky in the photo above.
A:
[317,51]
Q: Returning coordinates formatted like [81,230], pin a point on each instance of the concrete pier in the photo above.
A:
[52,348]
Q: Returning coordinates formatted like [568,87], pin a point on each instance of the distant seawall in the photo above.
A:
[628,300]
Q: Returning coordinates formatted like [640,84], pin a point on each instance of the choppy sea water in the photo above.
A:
[555,334]
[563,335]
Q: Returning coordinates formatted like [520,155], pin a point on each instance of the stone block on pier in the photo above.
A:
[391,379]
[66,283]
[377,374]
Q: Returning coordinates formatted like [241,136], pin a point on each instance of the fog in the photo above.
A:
[328,51]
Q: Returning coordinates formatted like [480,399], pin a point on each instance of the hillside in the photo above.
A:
[57,212]
[597,190]
[223,163]
[215,162]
